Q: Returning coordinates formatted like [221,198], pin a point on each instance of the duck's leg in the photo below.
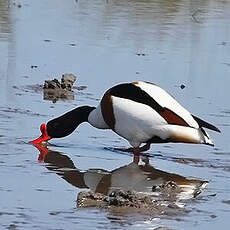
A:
[136,155]
[137,152]
[145,147]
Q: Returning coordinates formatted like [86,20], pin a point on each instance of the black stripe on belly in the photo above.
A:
[132,92]
[156,139]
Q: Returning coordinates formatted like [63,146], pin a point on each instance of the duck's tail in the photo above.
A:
[205,124]
[206,138]
[189,135]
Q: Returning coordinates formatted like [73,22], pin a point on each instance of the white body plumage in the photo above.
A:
[143,112]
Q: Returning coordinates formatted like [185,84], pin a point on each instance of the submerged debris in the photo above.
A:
[182,86]
[54,90]
[33,66]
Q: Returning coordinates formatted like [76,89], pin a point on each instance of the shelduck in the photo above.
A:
[141,112]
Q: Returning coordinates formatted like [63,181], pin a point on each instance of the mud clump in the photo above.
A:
[121,201]
[66,83]
[90,199]
[129,198]
[54,90]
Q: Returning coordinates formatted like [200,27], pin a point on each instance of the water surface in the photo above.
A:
[106,42]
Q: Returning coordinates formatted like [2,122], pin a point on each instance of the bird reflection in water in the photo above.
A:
[140,177]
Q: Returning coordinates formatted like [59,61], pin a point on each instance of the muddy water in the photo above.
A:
[105,42]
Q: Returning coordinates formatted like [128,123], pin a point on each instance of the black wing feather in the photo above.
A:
[205,124]
[132,92]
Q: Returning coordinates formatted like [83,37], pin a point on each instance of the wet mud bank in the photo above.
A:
[127,201]
[165,199]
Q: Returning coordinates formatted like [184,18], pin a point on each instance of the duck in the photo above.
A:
[141,112]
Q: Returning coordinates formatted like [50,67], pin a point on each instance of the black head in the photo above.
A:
[64,125]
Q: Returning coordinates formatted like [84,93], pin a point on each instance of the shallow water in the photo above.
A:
[105,42]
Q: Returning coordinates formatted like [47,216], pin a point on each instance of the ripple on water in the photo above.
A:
[144,38]
[9,111]
[226,202]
